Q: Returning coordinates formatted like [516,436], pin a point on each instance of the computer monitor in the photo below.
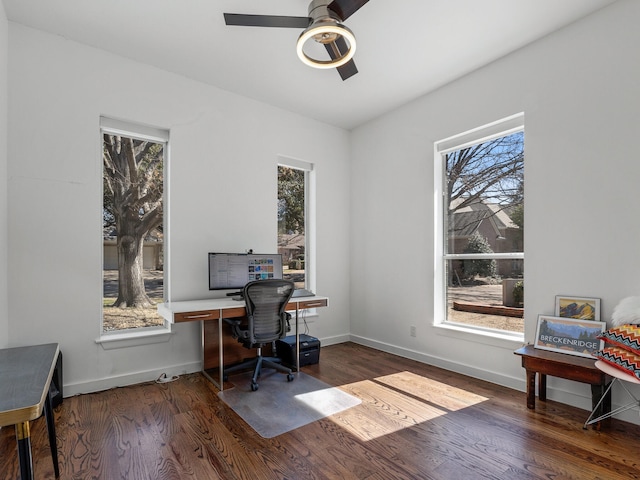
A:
[234,270]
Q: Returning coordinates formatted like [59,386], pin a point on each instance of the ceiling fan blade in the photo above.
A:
[345,8]
[347,70]
[266,20]
[336,49]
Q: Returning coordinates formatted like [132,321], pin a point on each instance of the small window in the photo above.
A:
[295,241]
[481,239]
[133,159]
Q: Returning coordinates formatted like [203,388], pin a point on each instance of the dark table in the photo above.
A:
[562,365]
[25,383]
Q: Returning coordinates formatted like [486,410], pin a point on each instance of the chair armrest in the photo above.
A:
[236,331]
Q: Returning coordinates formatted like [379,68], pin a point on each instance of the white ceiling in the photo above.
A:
[406,48]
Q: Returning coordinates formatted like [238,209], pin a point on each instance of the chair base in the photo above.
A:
[624,408]
[257,364]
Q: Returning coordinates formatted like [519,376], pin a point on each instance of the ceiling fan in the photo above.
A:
[323,25]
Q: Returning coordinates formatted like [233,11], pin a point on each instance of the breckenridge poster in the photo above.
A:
[568,335]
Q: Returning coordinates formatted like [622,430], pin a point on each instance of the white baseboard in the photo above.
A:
[129,379]
[556,393]
[150,375]
[335,340]
[489,376]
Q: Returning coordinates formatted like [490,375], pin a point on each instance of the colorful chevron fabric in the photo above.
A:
[624,336]
[621,358]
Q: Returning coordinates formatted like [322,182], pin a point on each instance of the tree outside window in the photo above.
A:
[291,223]
[133,234]
[483,225]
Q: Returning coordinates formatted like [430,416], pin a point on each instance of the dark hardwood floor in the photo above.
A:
[414,422]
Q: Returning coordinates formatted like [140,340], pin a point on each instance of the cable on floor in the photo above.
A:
[164,379]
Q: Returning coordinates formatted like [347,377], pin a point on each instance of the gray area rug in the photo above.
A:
[279,406]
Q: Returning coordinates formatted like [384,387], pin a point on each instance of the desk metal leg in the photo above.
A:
[221,354]
[23,435]
[297,342]
[51,430]
[212,347]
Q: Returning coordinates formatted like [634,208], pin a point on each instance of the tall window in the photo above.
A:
[294,222]
[133,160]
[482,248]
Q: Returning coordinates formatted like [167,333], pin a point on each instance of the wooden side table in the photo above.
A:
[561,365]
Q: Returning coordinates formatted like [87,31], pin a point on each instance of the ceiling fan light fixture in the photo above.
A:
[326,32]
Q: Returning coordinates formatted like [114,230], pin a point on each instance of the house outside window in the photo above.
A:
[134,161]
[295,221]
[480,239]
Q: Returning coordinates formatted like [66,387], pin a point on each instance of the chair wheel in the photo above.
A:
[290,377]
[254,386]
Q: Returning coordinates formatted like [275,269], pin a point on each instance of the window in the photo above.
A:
[295,225]
[480,242]
[134,159]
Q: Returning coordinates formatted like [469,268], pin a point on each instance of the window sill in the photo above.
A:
[507,340]
[112,341]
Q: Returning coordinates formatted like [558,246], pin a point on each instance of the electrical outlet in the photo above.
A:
[412,330]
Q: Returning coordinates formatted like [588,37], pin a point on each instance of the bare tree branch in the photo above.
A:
[133,195]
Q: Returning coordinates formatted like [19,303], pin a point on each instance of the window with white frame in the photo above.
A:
[296,221]
[134,161]
[479,236]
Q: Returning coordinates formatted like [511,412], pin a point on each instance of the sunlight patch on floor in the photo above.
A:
[429,390]
[398,401]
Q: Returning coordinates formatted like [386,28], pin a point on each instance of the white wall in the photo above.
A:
[577,87]
[579,91]
[4,310]
[224,151]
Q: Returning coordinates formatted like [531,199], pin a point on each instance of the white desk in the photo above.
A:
[208,312]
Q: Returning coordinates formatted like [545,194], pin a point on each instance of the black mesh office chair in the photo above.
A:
[267,322]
